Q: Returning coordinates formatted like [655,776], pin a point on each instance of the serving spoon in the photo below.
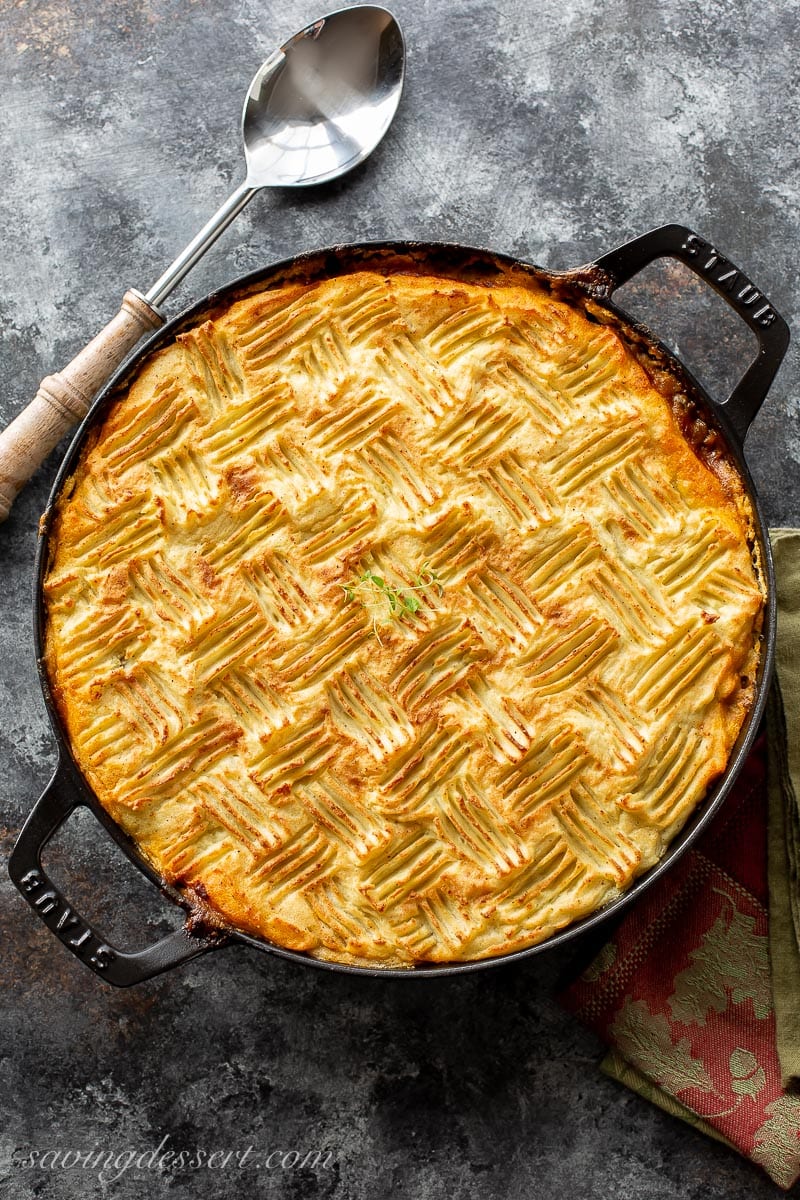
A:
[315,109]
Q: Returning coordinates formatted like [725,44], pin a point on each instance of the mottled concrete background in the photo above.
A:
[551,130]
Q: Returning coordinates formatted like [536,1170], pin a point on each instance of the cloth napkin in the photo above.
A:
[698,992]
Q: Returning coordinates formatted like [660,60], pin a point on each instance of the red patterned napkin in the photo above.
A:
[683,992]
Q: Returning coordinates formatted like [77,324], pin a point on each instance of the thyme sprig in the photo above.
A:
[385,602]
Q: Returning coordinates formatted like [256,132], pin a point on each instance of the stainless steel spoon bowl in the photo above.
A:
[315,109]
[322,103]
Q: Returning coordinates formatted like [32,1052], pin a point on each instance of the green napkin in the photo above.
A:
[783,774]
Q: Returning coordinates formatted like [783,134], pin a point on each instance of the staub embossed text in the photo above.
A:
[64,921]
[723,273]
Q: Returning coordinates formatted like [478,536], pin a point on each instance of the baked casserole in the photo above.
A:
[400,619]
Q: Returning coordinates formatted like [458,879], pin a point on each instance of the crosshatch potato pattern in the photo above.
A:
[396,618]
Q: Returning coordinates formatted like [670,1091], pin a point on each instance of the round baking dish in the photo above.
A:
[599,280]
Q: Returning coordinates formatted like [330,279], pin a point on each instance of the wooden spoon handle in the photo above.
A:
[63,399]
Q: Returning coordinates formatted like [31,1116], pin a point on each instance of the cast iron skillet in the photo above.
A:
[67,789]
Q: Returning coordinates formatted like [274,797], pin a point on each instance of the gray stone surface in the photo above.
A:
[552,131]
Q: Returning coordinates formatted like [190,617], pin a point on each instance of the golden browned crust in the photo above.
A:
[406,620]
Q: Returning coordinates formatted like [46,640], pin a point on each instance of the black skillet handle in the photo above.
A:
[118,967]
[676,241]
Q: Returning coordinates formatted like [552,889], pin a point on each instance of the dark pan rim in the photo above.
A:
[465,263]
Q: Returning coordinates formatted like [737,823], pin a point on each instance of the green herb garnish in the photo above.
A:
[386,603]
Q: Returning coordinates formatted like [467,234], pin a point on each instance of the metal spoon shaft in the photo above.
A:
[199,244]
